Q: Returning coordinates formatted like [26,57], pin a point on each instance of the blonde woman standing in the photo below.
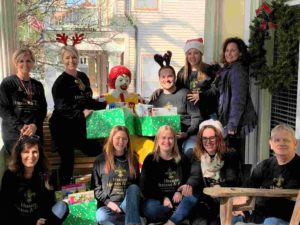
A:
[23,105]
[73,102]
[197,76]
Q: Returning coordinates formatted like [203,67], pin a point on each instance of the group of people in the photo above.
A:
[169,188]
[206,152]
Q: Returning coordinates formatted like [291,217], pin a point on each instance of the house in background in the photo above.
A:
[126,32]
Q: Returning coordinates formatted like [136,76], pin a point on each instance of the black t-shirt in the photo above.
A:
[24,201]
[162,178]
[18,108]
[268,174]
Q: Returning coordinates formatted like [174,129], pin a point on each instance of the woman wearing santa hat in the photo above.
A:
[197,76]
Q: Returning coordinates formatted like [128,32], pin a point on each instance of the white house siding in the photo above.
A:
[162,30]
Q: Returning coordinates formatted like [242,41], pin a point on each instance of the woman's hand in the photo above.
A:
[193,97]
[155,94]
[239,201]
[28,129]
[167,203]
[177,197]
[114,207]
[40,221]
[87,112]
[186,190]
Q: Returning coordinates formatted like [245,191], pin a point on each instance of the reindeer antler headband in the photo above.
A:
[63,38]
[163,59]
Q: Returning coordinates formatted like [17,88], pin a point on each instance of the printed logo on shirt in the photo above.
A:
[278,182]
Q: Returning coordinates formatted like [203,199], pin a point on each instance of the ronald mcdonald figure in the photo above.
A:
[118,81]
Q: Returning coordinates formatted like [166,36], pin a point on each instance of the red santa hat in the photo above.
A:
[115,72]
[196,43]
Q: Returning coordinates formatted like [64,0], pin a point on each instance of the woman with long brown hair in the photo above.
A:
[114,180]
[26,196]
[220,166]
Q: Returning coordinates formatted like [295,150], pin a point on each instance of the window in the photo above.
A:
[151,5]
[149,75]
[284,103]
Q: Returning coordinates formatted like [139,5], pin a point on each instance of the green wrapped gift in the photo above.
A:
[100,123]
[149,125]
[82,214]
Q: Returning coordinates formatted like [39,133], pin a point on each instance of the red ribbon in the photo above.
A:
[264,12]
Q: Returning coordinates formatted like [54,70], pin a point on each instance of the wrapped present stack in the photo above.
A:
[100,123]
[146,121]
[82,204]
[82,214]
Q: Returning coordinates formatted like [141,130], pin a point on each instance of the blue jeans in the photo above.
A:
[188,146]
[275,221]
[156,212]
[267,221]
[130,207]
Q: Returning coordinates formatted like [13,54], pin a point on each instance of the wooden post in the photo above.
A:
[7,47]
[226,210]
[296,213]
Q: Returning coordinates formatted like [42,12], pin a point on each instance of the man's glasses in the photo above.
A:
[209,139]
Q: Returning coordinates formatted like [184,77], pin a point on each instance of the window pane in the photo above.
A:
[146,4]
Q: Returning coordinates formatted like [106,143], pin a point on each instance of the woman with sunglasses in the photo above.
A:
[220,166]
[26,196]
[23,105]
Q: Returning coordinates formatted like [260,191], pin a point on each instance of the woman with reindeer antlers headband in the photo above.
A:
[173,96]
[73,102]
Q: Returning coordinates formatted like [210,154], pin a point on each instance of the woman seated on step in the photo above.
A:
[26,196]
[169,190]
[114,180]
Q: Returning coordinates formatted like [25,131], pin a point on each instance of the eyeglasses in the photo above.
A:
[209,139]
[31,137]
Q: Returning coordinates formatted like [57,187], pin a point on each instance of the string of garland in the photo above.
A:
[278,76]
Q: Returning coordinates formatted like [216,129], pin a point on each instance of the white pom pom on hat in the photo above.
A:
[196,43]
[215,123]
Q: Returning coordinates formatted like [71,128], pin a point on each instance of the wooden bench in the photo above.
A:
[226,196]
[82,164]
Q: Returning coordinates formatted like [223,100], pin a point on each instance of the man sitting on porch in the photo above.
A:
[279,171]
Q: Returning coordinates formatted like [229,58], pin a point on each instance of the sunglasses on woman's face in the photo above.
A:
[31,137]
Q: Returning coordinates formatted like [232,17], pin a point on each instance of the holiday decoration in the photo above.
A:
[149,125]
[80,197]
[82,214]
[100,123]
[63,38]
[281,18]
